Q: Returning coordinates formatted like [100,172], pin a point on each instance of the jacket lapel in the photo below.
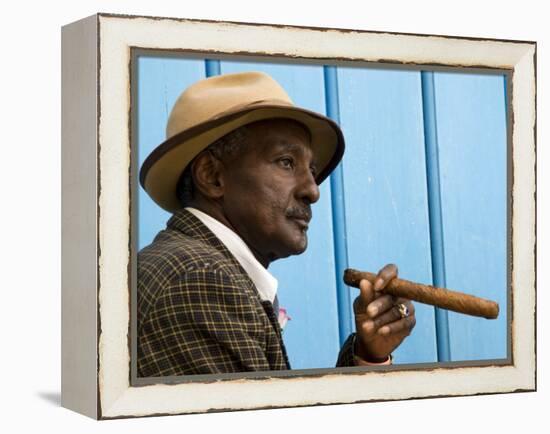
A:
[185,222]
[269,311]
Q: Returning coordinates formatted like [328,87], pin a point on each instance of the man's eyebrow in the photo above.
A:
[292,146]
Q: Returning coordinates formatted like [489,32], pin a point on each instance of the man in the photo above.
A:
[240,170]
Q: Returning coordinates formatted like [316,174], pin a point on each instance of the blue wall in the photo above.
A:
[422,184]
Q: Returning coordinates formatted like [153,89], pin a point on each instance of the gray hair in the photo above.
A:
[230,145]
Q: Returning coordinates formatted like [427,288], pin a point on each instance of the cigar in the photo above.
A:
[440,297]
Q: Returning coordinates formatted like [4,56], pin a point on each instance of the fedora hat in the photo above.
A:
[211,108]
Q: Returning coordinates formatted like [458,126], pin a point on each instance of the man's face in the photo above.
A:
[268,189]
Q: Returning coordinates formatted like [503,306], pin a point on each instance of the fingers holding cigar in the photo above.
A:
[440,297]
[392,320]
[370,292]
[385,275]
[382,320]
[387,317]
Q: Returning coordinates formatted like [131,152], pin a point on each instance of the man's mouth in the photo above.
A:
[303,223]
[302,217]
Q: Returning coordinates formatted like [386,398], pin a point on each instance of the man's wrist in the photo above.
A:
[360,359]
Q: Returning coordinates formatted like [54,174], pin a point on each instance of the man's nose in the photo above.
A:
[308,190]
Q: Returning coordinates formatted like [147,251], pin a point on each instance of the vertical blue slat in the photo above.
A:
[434,205]
[338,213]
[505,83]
[212,67]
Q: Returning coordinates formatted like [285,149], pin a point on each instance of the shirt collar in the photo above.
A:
[265,282]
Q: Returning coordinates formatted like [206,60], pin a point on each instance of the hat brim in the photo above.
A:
[162,169]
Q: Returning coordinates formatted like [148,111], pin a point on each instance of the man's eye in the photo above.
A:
[287,163]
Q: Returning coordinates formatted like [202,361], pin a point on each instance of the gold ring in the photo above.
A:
[403,310]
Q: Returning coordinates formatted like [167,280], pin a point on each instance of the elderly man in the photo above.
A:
[239,171]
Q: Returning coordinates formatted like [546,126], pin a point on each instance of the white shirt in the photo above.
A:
[265,282]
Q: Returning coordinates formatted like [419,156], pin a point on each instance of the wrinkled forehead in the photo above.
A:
[288,134]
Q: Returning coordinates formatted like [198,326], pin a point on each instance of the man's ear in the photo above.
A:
[207,172]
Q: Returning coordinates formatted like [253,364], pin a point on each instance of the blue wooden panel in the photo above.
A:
[160,82]
[434,208]
[212,67]
[306,282]
[345,316]
[385,192]
[385,186]
[471,129]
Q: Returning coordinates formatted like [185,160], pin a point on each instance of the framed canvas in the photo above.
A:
[438,177]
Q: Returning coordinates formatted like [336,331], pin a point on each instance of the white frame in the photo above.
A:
[96,215]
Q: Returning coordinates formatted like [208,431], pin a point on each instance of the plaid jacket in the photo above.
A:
[198,310]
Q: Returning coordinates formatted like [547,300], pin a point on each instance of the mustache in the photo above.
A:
[299,212]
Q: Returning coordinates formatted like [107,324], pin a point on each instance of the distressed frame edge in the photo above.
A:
[80,111]
[317,28]
[110,414]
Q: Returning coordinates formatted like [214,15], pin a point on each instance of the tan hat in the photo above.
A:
[211,108]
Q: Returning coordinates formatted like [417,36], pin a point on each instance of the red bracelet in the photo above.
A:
[358,361]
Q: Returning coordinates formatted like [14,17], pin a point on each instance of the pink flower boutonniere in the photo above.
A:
[283,317]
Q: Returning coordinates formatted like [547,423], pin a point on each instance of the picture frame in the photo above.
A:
[98,263]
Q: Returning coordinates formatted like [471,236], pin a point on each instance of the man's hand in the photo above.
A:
[380,326]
